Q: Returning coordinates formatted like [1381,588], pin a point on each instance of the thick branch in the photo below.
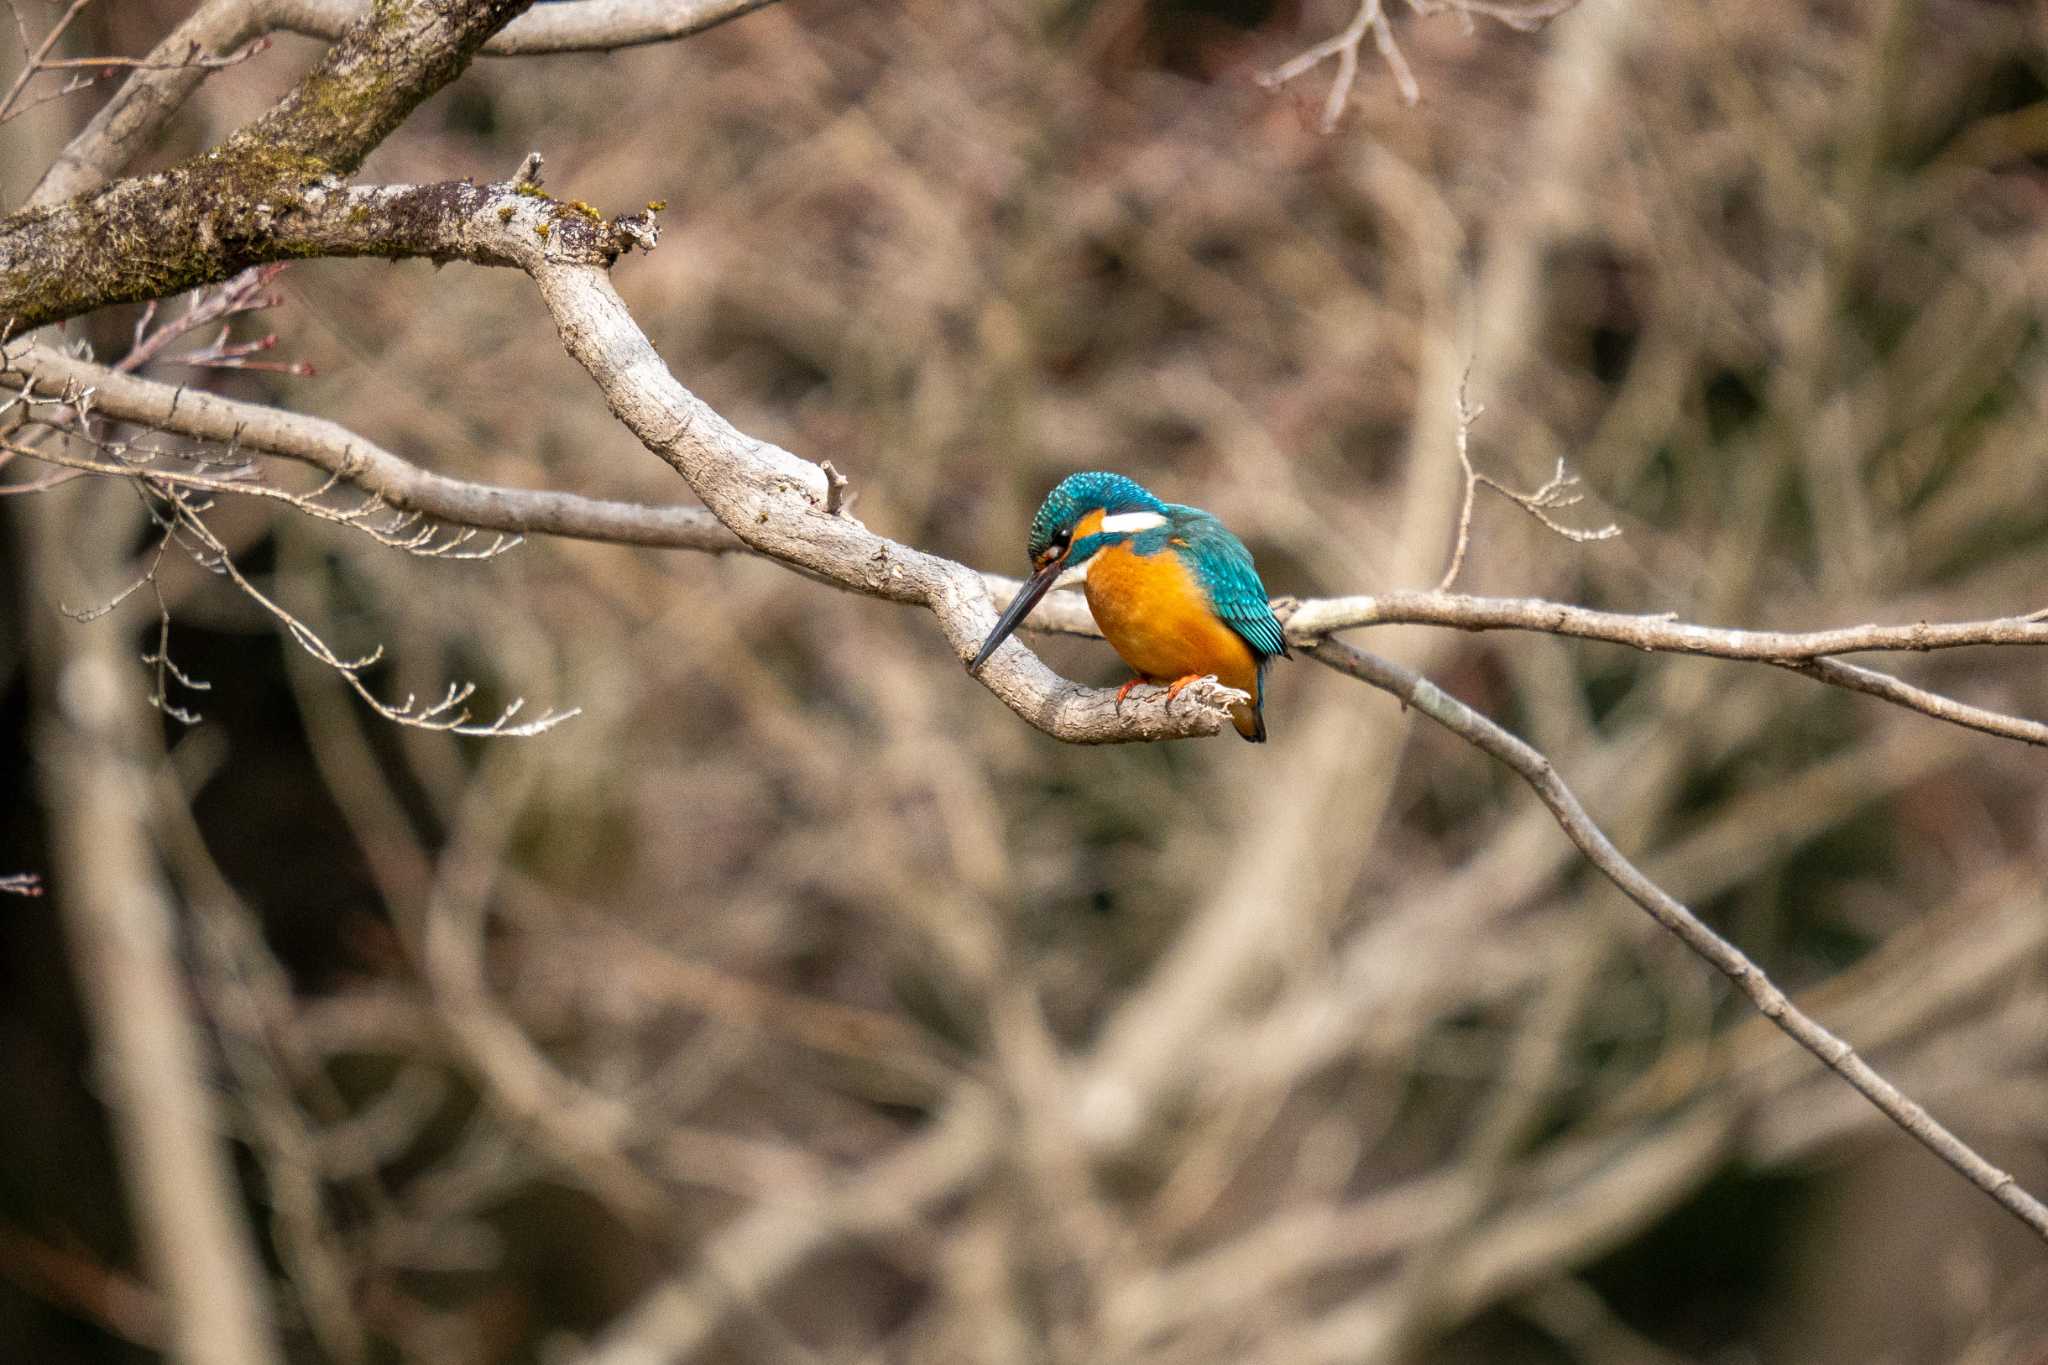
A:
[175,67]
[776,503]
[380,68]
[138,110]
[237,205]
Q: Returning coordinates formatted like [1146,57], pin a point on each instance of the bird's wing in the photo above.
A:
[1224,566]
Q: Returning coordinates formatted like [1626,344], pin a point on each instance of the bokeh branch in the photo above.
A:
[1370,20]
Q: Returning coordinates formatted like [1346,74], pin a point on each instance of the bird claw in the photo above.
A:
[1179,685]
[1172,689]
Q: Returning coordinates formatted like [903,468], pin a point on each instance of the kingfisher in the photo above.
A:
[1174,592]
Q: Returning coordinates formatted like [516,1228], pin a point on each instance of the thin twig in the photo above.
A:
[1559,492]
[395,528]
[96,69]
[146,64]
[247,292]
[1344,45]
[36,61]
[1371,18]
[1887,688]
[449,714]
[1468,413]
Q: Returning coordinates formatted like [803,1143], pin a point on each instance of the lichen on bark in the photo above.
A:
[214,214]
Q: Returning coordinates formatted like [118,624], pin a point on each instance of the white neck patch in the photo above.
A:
[1124,522]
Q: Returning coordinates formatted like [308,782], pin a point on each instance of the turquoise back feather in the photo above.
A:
[1224,567]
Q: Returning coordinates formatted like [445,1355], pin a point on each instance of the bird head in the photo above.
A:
[1083,514]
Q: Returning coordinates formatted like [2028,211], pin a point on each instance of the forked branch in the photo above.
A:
[1371,20]
[1532,767]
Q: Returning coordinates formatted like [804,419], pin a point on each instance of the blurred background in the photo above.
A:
[796,1002]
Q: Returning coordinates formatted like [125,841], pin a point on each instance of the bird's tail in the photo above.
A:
[1250,721]
[1250,718]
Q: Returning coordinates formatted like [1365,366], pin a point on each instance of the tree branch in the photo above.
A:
[1314,620]
[587,26]
[344,454]
[234,206]
[1532,767]
[175,67]
[774,501]
[506,225]
[139,109]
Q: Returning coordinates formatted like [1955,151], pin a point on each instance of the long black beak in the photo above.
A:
[1027,598]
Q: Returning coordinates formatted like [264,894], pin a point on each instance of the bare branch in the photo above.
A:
[1559,491]
[395,529]
[138,110]
[38,59]
[401,485]
[93,70]
[85,615]
[1884,686]
[1344,45]
[1467,415]
[248,292]
[1532,767]
[775,502]
[1311,621]
[449,714]
[456,220]
[1371,19]
[396,482]
[588,26]
[216,213]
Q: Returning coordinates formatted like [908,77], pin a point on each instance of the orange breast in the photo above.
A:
[1154,613]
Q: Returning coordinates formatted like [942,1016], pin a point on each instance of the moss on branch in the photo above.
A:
[234,206]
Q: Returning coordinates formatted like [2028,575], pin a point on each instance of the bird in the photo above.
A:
[1174,592]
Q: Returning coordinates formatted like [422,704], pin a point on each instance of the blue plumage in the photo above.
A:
[1224,566]
[1078,494]
[1173,591]
[1219,559]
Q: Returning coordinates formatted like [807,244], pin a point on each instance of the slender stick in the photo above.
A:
[1461,720]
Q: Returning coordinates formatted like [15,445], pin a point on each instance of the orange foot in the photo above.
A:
[1125,691]
[1173,689]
